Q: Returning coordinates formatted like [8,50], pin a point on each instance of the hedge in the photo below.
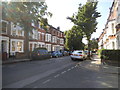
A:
[99,52]
[110,54]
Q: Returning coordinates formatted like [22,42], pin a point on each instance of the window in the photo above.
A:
[38,36]
[14,32]
[61,41]
[113,28]
[19,46]
[113,45]
[46,38]
[4,27]
[30,35]
[39,45]
[35,34]
[55,39]
[42,45]
[30,47]
[42,36]
[13,45]
[49,38]
[47,47]
[35,45]
[61,34]
[20,32]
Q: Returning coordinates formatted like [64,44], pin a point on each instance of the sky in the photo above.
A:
[61,9]
[64,8]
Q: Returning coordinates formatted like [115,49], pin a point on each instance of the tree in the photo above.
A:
[74,39]
[25,13]
[85,18]
[93,44]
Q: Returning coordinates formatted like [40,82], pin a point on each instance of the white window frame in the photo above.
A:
[16,40]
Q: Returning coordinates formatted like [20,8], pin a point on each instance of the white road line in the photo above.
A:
[75,65]
[63,72]
[72,67]
[34,78]
[46,81]
[57,75]
[68,69]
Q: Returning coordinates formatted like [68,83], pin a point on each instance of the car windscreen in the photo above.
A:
[42,51]
[77,52]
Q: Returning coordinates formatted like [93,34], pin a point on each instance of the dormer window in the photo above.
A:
[4,27]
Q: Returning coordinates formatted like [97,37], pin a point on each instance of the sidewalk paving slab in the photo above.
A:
[96,62]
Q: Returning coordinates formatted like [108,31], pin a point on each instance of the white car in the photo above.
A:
[78,54]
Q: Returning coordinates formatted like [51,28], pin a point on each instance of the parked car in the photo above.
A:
[78,54]
[86,52]
[93,52]
[40,53]
[70,52]
[65,53]
[56,54]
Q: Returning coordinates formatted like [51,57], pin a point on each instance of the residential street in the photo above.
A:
[59,73]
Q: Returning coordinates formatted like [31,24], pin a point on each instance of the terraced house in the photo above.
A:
[13,39]
[109,38]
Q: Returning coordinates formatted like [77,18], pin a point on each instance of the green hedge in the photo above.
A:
[110,54]
[99,52]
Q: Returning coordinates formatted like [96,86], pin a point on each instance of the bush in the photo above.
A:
[110,54]
[99,52]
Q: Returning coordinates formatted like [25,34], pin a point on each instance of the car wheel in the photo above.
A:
[73,59]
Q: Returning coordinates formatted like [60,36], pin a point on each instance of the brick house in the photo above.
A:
[4,39]
[13,39]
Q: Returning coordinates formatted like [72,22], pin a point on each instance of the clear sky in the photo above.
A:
[64,8]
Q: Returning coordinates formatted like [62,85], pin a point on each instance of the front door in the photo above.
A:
[4,50]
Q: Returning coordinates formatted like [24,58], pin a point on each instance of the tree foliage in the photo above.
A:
[26,13]
[74,39]
[93,44]
[85,19]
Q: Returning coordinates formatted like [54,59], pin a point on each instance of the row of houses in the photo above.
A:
[12,39]
[110,37]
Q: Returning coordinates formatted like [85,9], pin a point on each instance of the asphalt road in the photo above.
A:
[57,73]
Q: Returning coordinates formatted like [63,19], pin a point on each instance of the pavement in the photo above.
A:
[98,65]
[11,61]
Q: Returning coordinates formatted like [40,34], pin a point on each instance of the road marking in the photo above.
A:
[34,78]
[63,72]
[68,69]
[46,81]
[72,67]
[57,75]
[75,65]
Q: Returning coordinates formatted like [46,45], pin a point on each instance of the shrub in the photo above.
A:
[110,54]
[99,52]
